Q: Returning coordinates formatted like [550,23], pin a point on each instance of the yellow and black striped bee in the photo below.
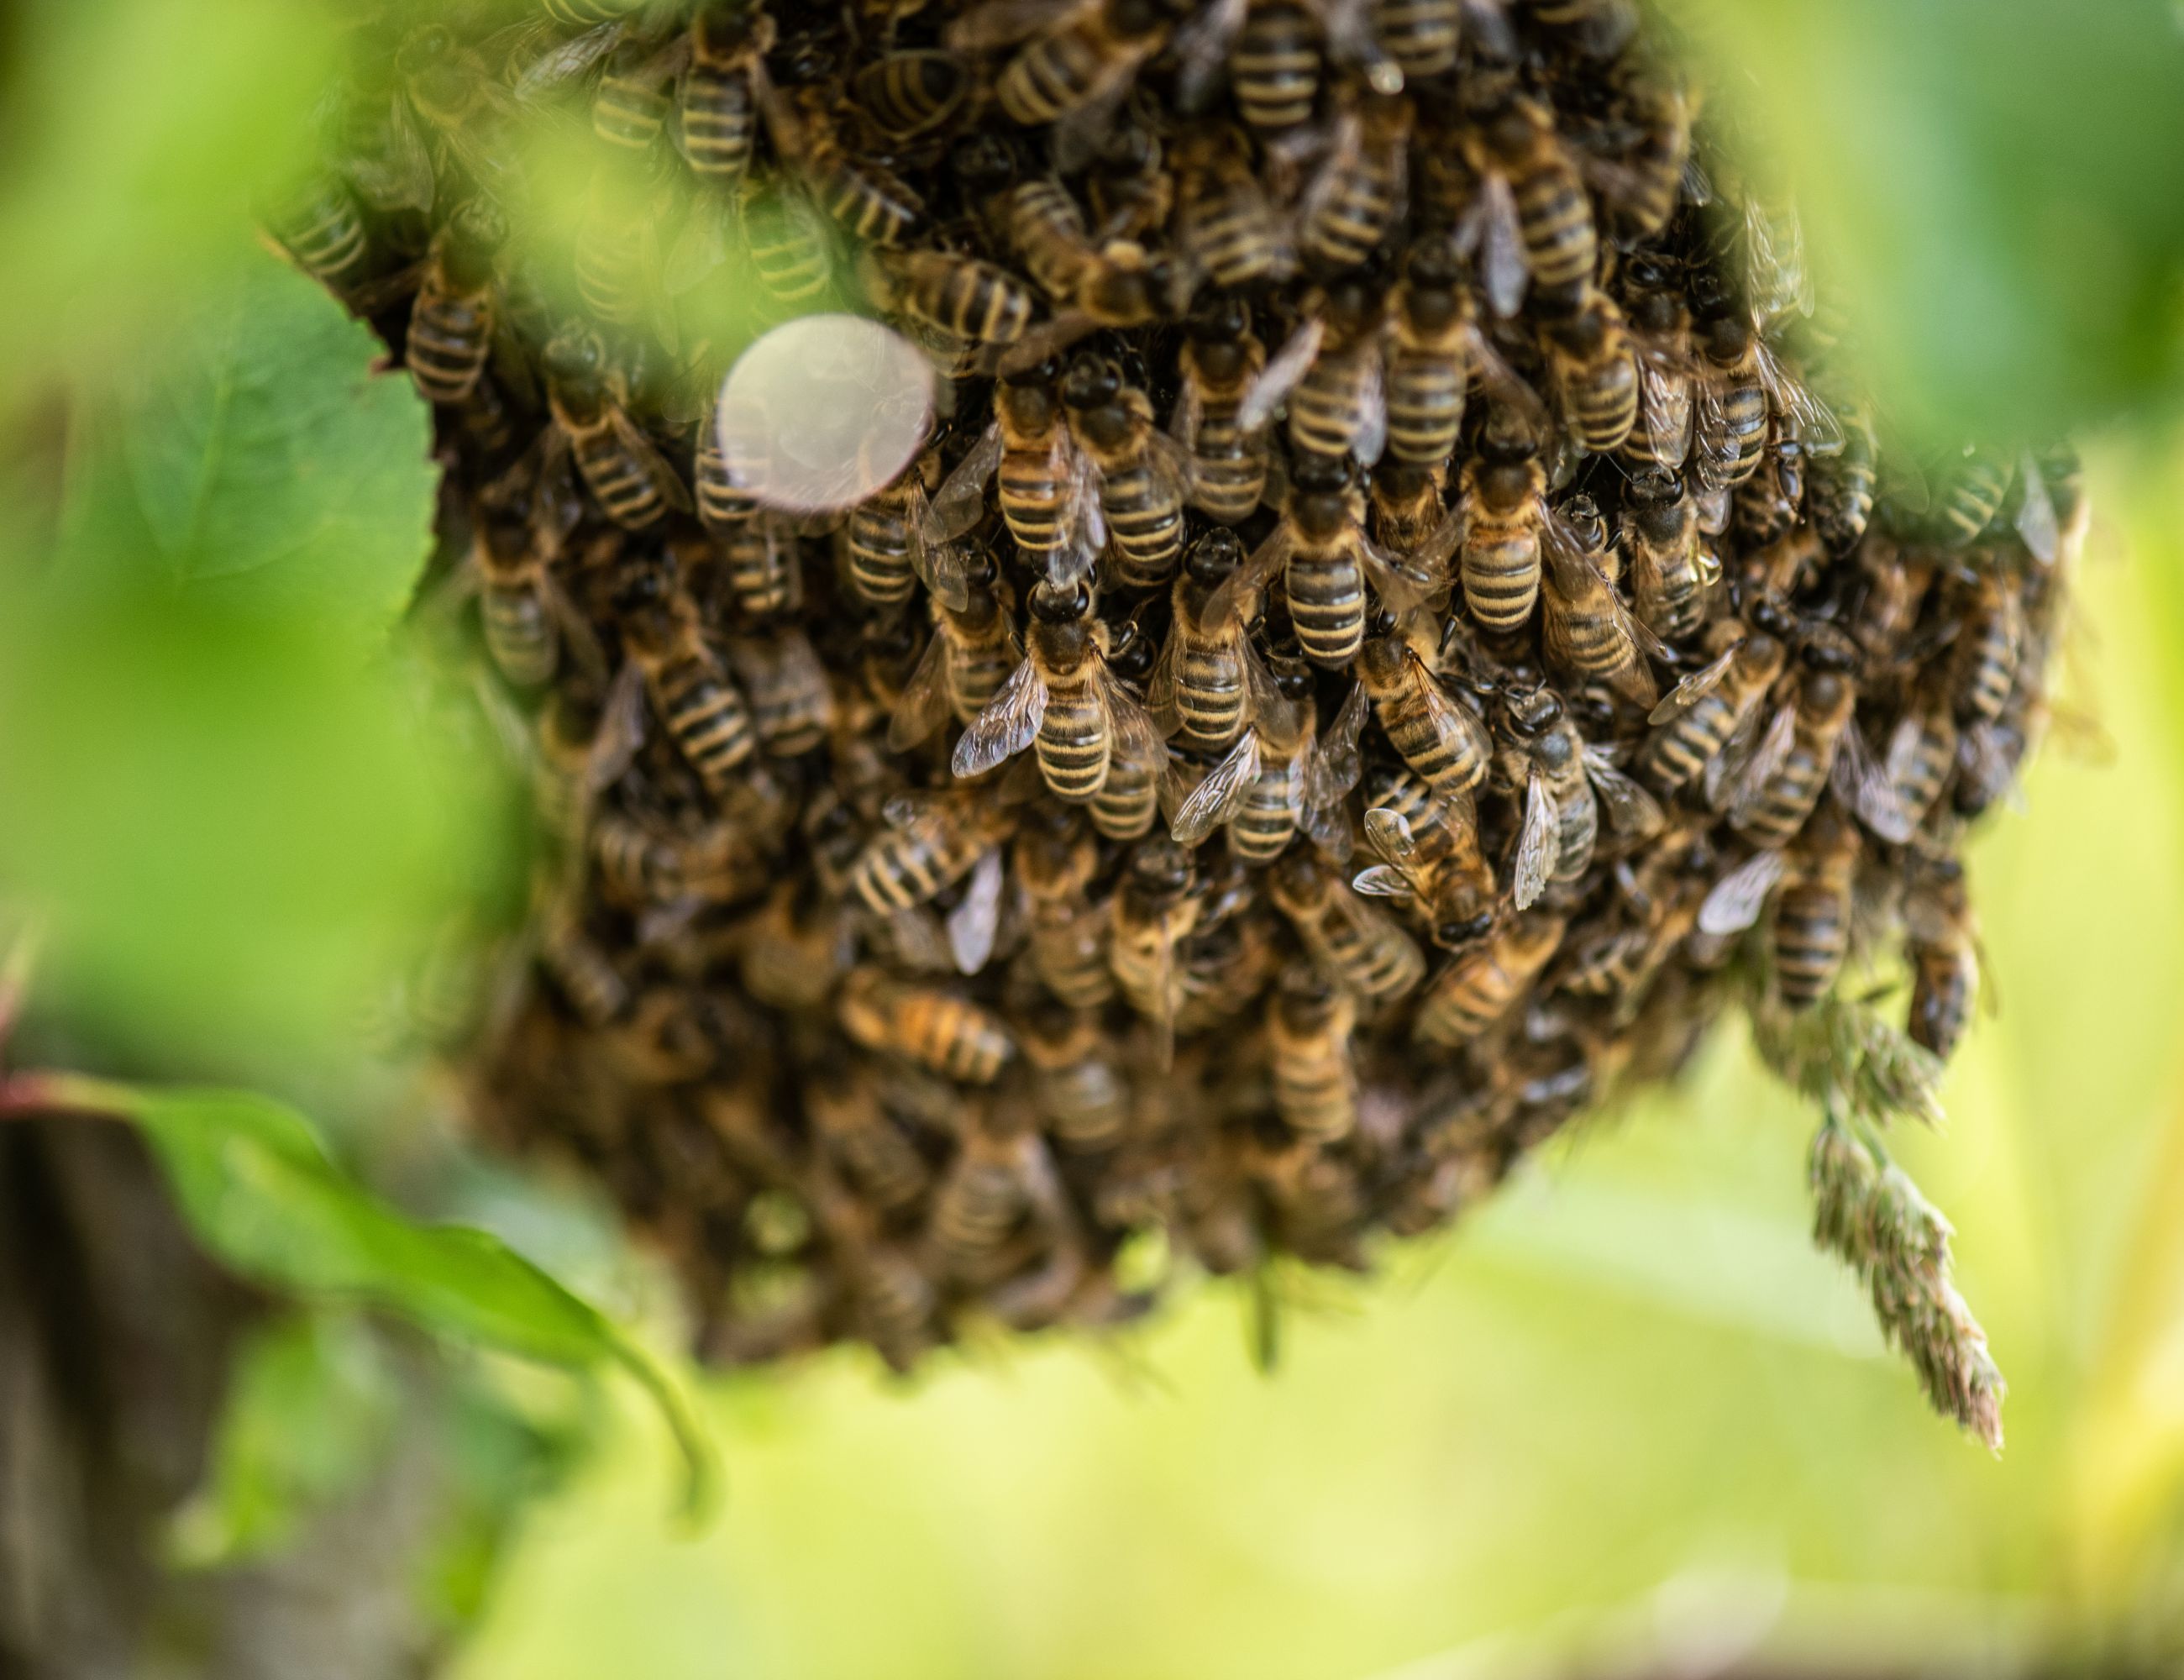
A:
[972,651]
[1143,478]
[1536,224]
[1209,684]
[1219,359]
[1309,1021]
[1048,497]
[1943,946]
[1351,204]
[625,471]
[1081,54]
[1483,986]
[928,1026]
[1282,776]
[1812,914]
[1595,374]
[704,712]
[1441,739]
[1225,223]
[1330,374]
[966,297]
[911,92]
[1672,566]
[1055,858]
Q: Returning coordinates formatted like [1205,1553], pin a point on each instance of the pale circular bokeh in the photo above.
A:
[823,411]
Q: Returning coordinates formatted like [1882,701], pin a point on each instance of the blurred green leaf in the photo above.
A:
[254,1183]
[267,1474]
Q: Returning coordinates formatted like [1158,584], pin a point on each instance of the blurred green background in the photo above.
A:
[1624,1411]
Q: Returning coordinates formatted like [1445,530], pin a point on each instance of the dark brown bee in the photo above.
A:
[1326,561]
[1812,917]
[1355,943]
[1442,741]
[1785,777]
[1588,630]
[1082,1096]
[1055,858]
[973,299]
[1986,654]
[451,328]
[1209,683]
[1274,66]
[704,712]
[969,656]
[1839,487]
[1047,497]
[1944,951]
[1707,709]
[1309,1022]
[909,93]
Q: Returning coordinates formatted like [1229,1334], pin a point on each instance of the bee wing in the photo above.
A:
[1383,881]
[1135,735]
[940,567]
[1434,554]
[1007,724]
[1498,236]
[1630,808]
[1215,799]
[1160,687]
[1403,584]
[655,465]
[2035,511]
[1329,826]
[1190,409]
[702,246]
[1231,595]
[1664,407]
[1174,466]
[1082,133]
[961,501]
[569,59]
[1345,141]
[1201,51]
[1751,776]
[1049,338]
[1389,833]
[1373,406]
[1335,764]
[1818,427]
[408,181]
[1280,375]
[1502,382]
[924,704]
[1451,718]
[1862,782]
[1692,689]
[1537,842]
[1083,526]
[976,917]
[621,731]
[1738,897]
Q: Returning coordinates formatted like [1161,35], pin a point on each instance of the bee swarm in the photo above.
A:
[1401,619]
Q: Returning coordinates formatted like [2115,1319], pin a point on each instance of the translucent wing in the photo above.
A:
[1537,842]
[702,246]
[1451,718]
[1190,409]
[1862,782]
[569,59]
[925,703]
[1757,771]
[961,501]
[1235,591]
[1665,408]
[1215,799]
[1692,689]
[1817,424]
[940,567]
[1335,764]
[1403,584]
[1738,897]
[972,924]
[1631,810]
[1007,726]
[1160,687]
[1003,23]
[1504,272]
[2035,511]
[1201,51]
[1280,375]
[1135,736]
[1084,528]
[655,465]
[1503,382]
[1389,833]
[1373,432]
[621,731]
[1383,881]
[1434,554]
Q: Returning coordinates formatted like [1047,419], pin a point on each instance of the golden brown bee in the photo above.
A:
[1408,508]
[791,253]
[1209,683]
[999,1206]
[625,472]
[1055,860]
[1157,908]
[1783,781]
[867,200]
[1557,772]
[1219,360]
[322,229]
[703,713]
[1326,561]
[1421,36]
[909,93]
[1047,496]
[522,609]
[1944,951]
[1812,917]
[1921,754]
[1766,507]
[1062,701]
[1081,53]
[1280,776]
[1706,710]
[1224,221]
[967,658]
[1479,987]
[1437,351]
[1442,741]
[1434,861]
[1330,373]
[1501,512]
[1729,427]
[791,703]
[451,328]
[1657,313]
[1082,1096]
[1538,218]
[933,1028]
[886,552]
[1309,1022]
[1839,487]
[1274,65]
[1973,490]
[1352,204]
[1143,478]
[759,559]
[1046,230]
[1595,374]
[867,1146]
[1672,567]
[720,96]
[930,843]
[1357,944]
[965,296]
[1985,655]
[1588,630]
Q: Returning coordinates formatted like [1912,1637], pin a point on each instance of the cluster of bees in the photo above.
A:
[1401,616]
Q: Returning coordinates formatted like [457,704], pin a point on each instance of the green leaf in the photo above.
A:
[252,1179]
[267,465]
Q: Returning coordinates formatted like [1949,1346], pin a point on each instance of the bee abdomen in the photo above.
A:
[1266,821]
[1209,691]
[1556,217]
[1810,935]
[1604,405]
[720,119]
[1943,983]
[449,340]
[1327,605]
[1501,582]
[1425,407]
[1086,1105]
[1679,750]
[880,570]
[1274,68]
[1419,35]
[873,206]
[708,718]
[1128,800]
[520,633]
[1074,745]
[1048,78]
[618,479]
[628,114]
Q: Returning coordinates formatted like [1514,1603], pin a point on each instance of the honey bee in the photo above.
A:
[1434,862]
[1224,222]
[1944,948]
[1309,1022]
[1532,221]
[451,327]
[907,94]
[933,1028]
[1082,1098]
[865,1142]
[522,608]
[631,103]
[1921,754]
[1812,917]
[866,199]
[760,559]
[704,712]
[966,297]
[792,706]
[1281,774]
[1055,860]
[1274,65]
[1598,29]
[1082,59]
[1322,552]
[1219,359]
[1766,508]
[1729,431]
[1590,357]
[1143,478]
[1355,943]
[321,228]
[1063,702]
[1209,683]
[1588,630]
[1641,185]
[1351,202]
[723,88]
[1983,669]
[1479,988]
[1329,372]
[794,947]
[791,253]
[1708,710]
[1672,567]
[930,843]
[1407,509]
[1001,1206]
[1776,791]
[585,971]
[1973,490]
[965,661]
[1559,772]
[886,552]
[1658,316]
[1839,487]
[626,475]
[1157,907]
[582,751]
[1437,351]
[1048,496]
[1443,741]
[1501,513]
[1421,36]
[614,242]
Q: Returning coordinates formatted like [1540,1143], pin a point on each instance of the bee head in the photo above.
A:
[1582,514]
[1458,932]
[1293,677]
[1221,318]
[1134,20]
[1060,603]
[1092,382]
[1532,710]
[1215,556]
[576,356]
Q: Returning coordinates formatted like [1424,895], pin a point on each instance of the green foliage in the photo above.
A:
[256,1186]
